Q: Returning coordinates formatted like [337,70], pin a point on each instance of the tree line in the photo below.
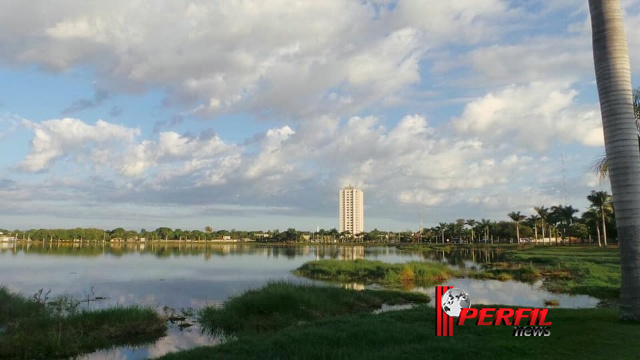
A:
[559,223]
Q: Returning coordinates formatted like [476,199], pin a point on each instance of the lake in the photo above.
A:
[190,275]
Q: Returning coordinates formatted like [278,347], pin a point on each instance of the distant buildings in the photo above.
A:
[351,210]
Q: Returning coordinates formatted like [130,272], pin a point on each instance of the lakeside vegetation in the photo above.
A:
[369,271]
[574,270]
[405,334]
[43,328]
[408,274]
[577,269]
[278,305]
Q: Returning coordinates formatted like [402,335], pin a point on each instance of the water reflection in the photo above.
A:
[466,257]
[163,274]
[176,340]
[514,293]
[171,249]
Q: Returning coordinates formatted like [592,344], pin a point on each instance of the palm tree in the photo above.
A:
[442,226]
[534,220]
[601,202]
[565,217]
[517,217]
[592,219]
[613,77]
[543,213]
[486,226]
[601,166]
[472,223]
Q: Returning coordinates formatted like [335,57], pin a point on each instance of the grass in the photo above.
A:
[587,270]
[408,274]
[575,269]
[368,271]
[410,334]
[280,304]
[37,328]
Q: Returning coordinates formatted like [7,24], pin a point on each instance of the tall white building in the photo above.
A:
[351,210]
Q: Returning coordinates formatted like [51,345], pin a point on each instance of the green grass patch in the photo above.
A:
[368,271]
[37,328]
[280,304]
[410,334]
[585,270]
[518,272]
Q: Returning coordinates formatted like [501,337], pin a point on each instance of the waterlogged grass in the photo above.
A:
[585,270]
[41,329]
[279,305]
[368,271]
[408,274]
[410,334]
[520,272]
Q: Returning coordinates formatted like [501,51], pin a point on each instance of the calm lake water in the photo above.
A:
[196,275]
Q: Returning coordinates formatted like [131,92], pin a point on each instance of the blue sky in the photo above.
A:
[253,114]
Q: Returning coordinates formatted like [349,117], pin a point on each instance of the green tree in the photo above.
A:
[486,227]
[601,202]
[543,213]
[533,221]
[564,215]
[472,223]
[517,217]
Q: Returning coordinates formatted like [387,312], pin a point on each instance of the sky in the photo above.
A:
[241,114]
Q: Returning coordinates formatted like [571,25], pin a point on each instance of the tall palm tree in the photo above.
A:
[443,227]
[473,223]
[534,220]
[553,220]
[486,226]
[601,201]
[565,217]
[601,166]
[543,213]
[517,217]
[613,77]
[592,219]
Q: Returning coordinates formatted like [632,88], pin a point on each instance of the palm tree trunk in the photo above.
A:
[613,77]
[598,231]
[604,227]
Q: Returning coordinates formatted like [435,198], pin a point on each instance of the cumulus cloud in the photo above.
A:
[531,116]
[292,57]
[54,139]
[411,164]
[494,89]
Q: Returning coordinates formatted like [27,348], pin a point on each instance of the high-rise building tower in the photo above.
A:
[351,210]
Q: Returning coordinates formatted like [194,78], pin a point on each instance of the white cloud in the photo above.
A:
[54,139]
[497,89]
[532,117]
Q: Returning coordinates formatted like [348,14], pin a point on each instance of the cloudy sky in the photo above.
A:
[253,114]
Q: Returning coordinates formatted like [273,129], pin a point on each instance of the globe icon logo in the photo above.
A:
[454,300]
